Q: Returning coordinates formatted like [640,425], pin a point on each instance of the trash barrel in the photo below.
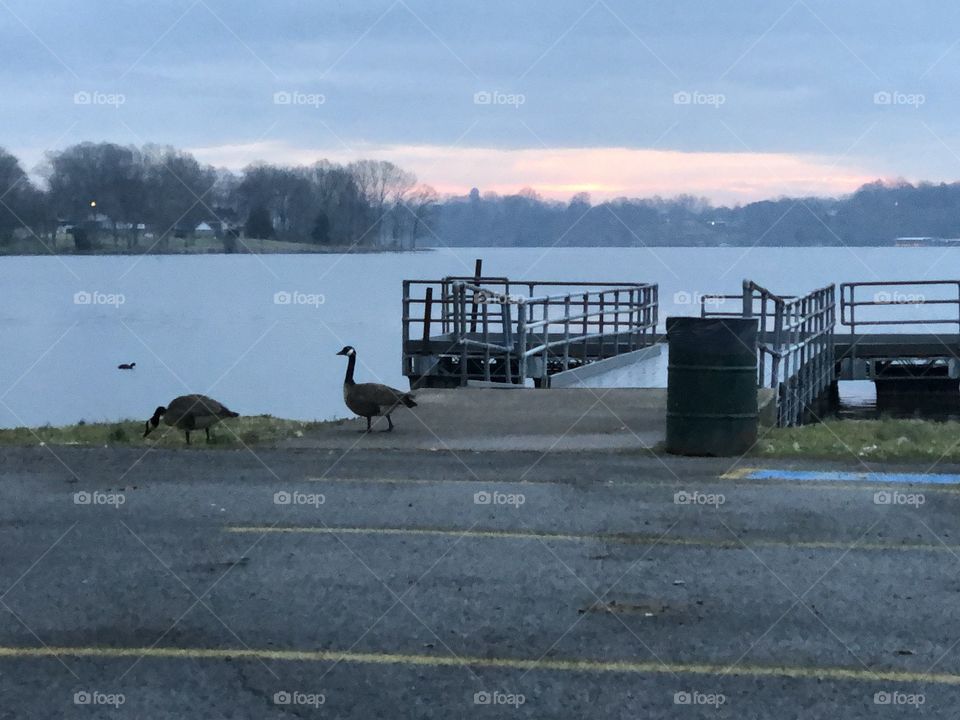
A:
[711,386]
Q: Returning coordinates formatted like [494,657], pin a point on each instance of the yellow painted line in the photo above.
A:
[737,473]
[622,539]
[561,665]
[387,481]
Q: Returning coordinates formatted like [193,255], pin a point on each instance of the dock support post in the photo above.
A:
[522,337]
[427,316]
[477,274]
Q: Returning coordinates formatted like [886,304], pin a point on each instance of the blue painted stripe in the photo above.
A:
[835,476]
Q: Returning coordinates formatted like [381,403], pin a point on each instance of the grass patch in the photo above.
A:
[233,433]
[886,439]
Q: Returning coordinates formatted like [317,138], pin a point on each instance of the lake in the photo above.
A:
[209,324]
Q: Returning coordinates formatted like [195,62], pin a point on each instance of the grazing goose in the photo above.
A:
[190,412]
[126,366]
[369,399]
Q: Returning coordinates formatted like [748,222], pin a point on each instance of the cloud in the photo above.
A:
[799,83]
[558,173]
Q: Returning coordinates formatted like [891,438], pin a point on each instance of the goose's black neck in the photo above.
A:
[351,364]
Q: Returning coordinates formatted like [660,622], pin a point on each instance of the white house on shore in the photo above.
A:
[203,230]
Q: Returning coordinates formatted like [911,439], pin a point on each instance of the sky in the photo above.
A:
[735,101]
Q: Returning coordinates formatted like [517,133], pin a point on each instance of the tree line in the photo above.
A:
[106,196]
[876,214]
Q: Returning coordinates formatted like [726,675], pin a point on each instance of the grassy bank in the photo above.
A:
[895,440]
[867,439]
[253,430]
[190,246]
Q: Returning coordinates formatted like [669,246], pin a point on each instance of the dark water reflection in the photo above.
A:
[858,401]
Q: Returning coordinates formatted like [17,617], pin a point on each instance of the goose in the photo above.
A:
[126,366]
[190,412]
[369,399]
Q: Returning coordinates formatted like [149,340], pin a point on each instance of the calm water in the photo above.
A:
[209,324]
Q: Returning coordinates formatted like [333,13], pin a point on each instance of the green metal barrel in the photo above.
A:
[711,386]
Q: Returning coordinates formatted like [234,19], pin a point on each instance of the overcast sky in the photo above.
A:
[733,100]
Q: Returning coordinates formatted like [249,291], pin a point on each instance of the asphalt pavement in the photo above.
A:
[323,583]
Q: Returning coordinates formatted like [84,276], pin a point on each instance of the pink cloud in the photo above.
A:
[603,172]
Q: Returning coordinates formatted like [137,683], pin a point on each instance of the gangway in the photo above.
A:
[466,329]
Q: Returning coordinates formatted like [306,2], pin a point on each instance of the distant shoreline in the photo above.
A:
[297,249]
[349,250]
[105,252]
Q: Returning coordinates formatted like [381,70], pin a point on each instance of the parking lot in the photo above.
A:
[417,584]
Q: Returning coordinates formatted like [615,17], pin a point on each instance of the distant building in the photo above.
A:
[213,228]
[926,241]
[204,230]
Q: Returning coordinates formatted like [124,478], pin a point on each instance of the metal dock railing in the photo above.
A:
[914,344]
[795,350]
[492,329]
[906,295]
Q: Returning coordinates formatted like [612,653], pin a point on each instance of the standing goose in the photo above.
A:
[190,412]
[369,399]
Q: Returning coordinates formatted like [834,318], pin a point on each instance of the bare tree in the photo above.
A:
[90,180]
[179,191]
[20,201]
[420,205]
[384,186]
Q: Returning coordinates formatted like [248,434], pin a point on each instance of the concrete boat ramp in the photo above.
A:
[520,419]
